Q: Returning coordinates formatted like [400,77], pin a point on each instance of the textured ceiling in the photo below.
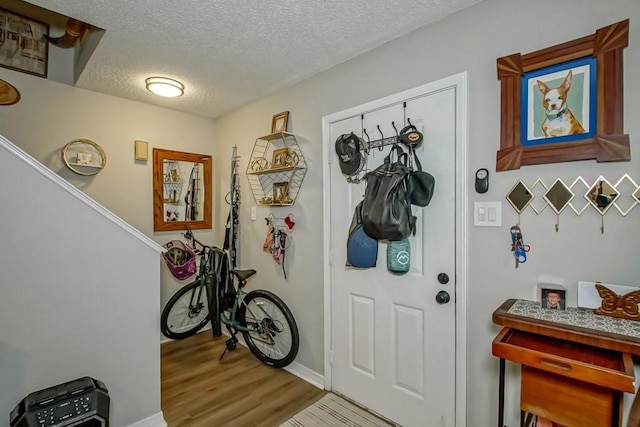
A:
[229,53]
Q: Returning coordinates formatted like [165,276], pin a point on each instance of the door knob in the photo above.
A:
[443,297]
[443,278]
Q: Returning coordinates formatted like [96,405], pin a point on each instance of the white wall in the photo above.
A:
[49,115]
[80,297]
[467,41]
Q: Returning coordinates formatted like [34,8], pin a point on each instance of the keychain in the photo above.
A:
[518,247]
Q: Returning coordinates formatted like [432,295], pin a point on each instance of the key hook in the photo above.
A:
[381,147]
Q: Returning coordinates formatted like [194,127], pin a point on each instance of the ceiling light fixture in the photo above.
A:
[164,86]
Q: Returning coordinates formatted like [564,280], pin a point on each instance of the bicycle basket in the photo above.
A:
[180,259]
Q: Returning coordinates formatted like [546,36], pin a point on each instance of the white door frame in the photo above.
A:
[459,83]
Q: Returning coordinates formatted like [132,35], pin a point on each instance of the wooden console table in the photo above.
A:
[584,357]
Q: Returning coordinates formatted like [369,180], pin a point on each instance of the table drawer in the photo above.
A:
[569,402]
[606,368]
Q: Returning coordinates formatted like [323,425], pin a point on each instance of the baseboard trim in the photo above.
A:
[306,374]
[294,368]
[156,420]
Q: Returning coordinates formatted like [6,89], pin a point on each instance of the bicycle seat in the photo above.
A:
[243,274]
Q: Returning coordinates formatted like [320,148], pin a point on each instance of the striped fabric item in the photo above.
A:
[333,411]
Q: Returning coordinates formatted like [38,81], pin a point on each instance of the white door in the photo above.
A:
[393,346]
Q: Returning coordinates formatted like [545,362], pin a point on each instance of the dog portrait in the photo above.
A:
[559,120]
[559,103]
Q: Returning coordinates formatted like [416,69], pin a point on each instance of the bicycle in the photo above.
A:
[267,325]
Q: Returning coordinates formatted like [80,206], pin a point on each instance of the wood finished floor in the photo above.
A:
[198,390]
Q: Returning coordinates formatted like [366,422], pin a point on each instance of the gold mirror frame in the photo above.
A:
[558,196]
[520,197]
[159,157]
[602,195]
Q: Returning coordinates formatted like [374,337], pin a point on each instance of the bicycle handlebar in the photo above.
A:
[189,235]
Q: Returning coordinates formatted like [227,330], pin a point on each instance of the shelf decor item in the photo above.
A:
[616,305]
[280,192]
[88,157]
[565,102]
[279,159]
[83,159]
[24,46]
[279,122]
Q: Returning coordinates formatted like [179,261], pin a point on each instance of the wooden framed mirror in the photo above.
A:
[181,190]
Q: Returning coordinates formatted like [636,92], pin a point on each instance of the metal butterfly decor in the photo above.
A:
[622,306]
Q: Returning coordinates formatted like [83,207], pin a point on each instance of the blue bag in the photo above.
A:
[362,250]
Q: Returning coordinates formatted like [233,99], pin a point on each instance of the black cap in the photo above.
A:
[348,151]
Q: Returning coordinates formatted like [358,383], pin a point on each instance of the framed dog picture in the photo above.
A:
[559,103]
[565,102]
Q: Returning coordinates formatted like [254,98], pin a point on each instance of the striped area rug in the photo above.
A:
[333,411]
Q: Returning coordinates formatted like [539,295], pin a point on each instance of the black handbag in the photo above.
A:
[420,184]
[386,209]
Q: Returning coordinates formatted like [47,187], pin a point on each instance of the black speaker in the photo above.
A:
[83,402]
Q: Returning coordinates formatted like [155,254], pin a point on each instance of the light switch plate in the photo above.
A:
[487,214]
[254,214]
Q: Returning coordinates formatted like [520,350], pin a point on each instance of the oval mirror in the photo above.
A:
[602,195]
[181,190]
[520,196]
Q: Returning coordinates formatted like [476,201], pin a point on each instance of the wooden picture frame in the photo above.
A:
[279,122]
[280,192]
[279,159]
[171,190]
[607,141]
[23,46]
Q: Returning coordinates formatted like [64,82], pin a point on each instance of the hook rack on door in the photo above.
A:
[385,141]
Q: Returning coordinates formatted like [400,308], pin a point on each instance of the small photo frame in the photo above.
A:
[279,159]
[553,298]
[279,122]
[280,192]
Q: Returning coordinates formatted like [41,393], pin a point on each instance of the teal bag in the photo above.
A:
[399,256]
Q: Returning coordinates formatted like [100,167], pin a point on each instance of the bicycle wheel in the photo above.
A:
[186,312]
[273,334]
